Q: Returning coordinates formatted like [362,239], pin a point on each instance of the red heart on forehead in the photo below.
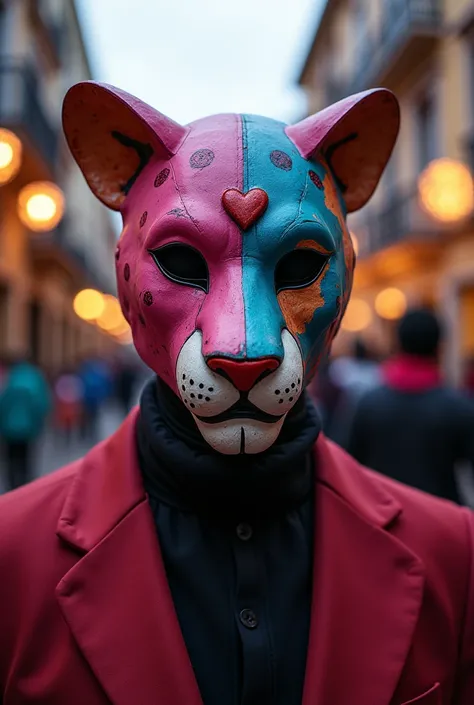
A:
[245,208]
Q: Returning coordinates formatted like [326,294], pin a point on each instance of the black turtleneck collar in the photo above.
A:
[183,471]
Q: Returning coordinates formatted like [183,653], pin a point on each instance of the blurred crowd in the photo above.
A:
[395,415]
[67,405]
[398,416]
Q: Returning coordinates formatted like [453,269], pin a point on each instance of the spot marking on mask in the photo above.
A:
[148,298]
[143,218]
[201,158]
[299,305]
[161,178]
[281,160]
[316,180]
[126,272]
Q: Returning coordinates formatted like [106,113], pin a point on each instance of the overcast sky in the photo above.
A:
[191,58]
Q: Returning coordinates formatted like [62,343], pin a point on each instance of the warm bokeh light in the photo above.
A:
[120,329]
[391,304]
[355,243]
[123,334]
[89,304]
[41,206]
[357,317]
[125,338]
[10,156]
[446,190]
[111,317]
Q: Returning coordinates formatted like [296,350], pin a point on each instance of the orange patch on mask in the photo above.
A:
[331,201]
[313,245]
[299,305]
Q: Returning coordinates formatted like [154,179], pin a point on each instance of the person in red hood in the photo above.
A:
[413,428]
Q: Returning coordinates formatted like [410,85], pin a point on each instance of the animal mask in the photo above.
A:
[234,265]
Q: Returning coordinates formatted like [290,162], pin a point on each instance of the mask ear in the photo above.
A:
[355,137]
[112,136]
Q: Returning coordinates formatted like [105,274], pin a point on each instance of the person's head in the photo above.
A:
[235,263]
[361,350]
[420,333]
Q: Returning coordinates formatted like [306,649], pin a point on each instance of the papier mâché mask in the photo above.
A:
[234,265]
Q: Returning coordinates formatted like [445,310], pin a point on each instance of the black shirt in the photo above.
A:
[236,539]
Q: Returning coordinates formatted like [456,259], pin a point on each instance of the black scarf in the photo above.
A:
[183,471]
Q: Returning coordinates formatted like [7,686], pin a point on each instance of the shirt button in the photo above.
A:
[244,532]
[249,619]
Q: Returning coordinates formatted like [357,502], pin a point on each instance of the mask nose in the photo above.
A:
[243,373]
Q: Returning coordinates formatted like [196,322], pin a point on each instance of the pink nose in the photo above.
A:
[243,374]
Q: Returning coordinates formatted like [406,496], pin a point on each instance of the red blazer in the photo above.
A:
[86,615]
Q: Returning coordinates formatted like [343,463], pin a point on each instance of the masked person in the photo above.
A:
[218,549]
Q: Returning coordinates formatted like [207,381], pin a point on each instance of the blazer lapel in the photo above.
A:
[367,589]
[116,599]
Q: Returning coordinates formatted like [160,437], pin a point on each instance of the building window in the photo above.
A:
[426,130]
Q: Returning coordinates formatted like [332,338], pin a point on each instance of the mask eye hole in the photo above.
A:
[299,268]
[182,264]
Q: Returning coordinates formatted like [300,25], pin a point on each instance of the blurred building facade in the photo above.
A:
[423,50]
[42,54]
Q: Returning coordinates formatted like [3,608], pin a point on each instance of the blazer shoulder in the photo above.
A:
[438,530]
[434,528]
[34,509]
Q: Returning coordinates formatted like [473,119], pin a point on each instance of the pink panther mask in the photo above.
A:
[234,265]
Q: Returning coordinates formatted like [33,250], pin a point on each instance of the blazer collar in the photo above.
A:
[364,490]
[108,485]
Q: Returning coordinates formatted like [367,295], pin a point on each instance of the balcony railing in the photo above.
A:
[401,16]
[51,28]
[21,109]
[401,220]
[402,22]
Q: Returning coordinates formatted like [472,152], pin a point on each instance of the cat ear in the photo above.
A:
[355,137]
[112,136]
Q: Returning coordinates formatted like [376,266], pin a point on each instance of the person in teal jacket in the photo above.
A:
[25,402]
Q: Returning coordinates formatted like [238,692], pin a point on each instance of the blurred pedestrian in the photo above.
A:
[469,378]
[414,428]
[96,380]
[126,379]
[324,393]
[25,402]
[353,376]
[69,399]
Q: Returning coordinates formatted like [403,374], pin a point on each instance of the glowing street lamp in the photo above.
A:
[41,206]
[111,317]
[10,156]
[89,304]
[446,190]
[391,304]
[358,316]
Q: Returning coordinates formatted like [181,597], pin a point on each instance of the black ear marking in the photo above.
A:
[144,151]
[329,153]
